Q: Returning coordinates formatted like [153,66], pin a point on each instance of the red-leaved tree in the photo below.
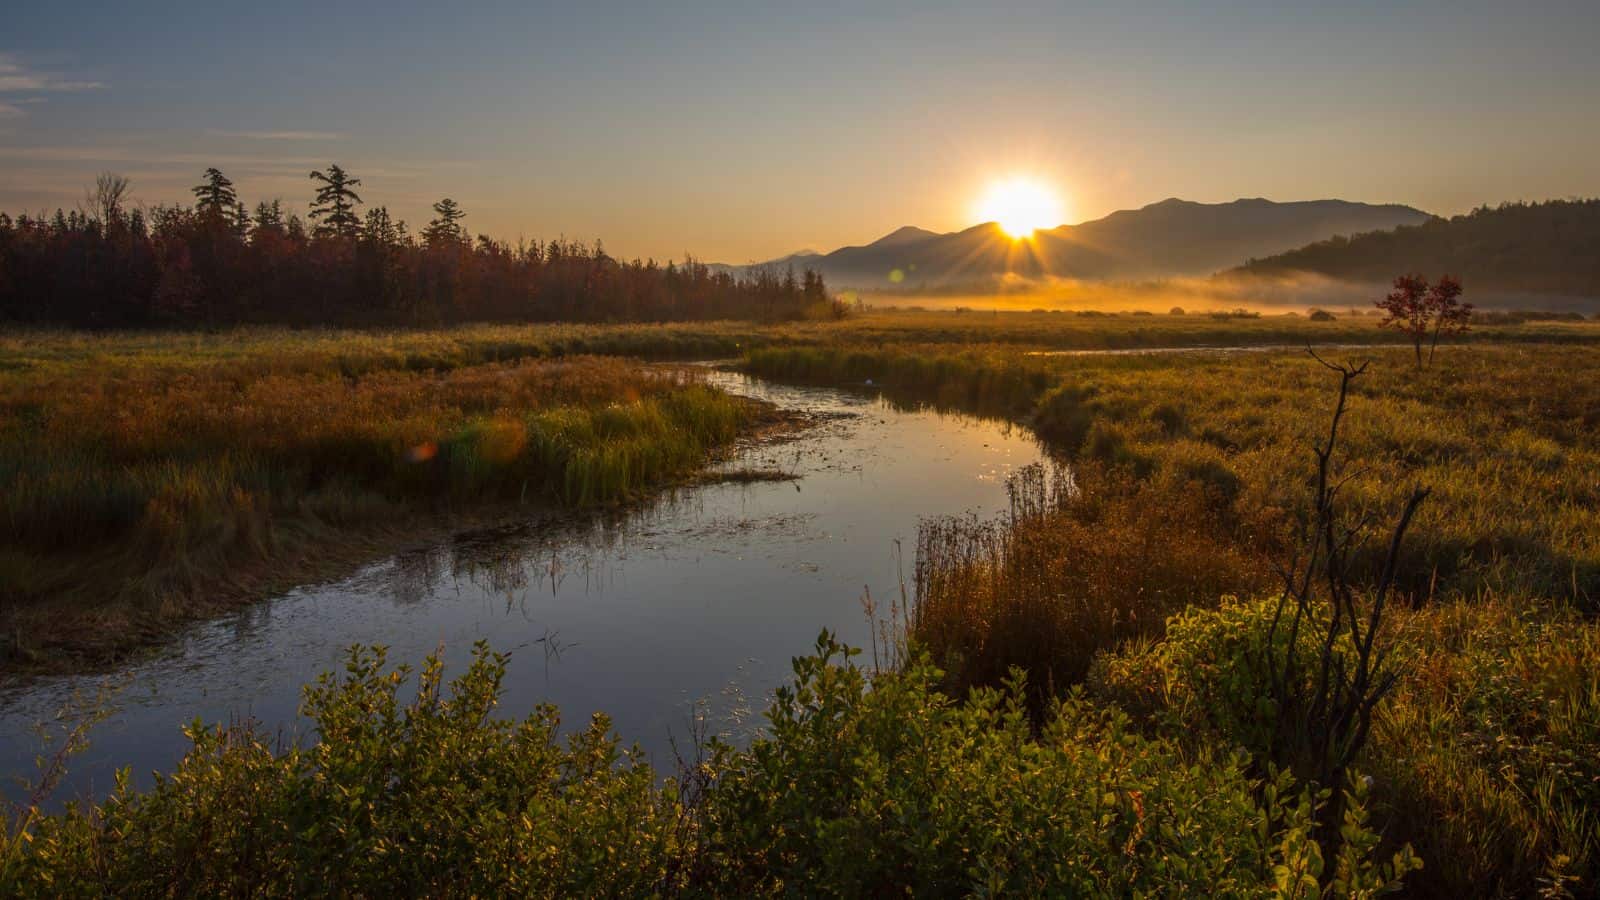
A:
[1417,310]
[1450,315]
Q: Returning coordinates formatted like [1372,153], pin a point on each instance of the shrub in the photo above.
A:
[886,786]
[1486,753]
[1207,673]
[435,796]
[862,786]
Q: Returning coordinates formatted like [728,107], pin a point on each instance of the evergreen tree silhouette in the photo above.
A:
[445,228]
[216,197]
[334,210]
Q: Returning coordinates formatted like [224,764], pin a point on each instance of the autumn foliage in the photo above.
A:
[1423,312]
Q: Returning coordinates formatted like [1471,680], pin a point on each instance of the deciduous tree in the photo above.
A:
[1450,315]
[1419,310]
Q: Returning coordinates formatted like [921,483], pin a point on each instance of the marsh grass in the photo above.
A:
[1505,435]
[1081,563]
[1483,754]
[139,493]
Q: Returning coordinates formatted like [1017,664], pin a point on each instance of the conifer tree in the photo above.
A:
[381,229]
[445,229]
[216,197]
[335,207]
[269,216]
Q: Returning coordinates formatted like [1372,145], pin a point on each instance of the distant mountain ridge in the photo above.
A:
[1542,248]
[1170,238]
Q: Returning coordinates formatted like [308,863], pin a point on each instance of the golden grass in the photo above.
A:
[142,493]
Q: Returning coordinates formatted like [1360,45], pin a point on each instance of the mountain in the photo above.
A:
[1173,237]
[1545,248]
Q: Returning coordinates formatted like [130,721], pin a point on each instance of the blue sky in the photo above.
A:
[740,131]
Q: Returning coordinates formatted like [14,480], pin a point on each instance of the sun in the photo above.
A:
[1020,206]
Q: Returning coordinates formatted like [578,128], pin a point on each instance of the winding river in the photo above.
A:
[690,606]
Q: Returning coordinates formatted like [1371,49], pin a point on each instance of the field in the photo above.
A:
[152,481]
[1080,681]
[1190,483]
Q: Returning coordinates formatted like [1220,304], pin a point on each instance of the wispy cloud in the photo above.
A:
[278,135]
[8,111]
[233,163]
[18,78]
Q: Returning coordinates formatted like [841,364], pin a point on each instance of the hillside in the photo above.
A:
[1173,237]
[1550,248]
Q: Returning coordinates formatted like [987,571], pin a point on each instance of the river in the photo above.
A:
[696,601]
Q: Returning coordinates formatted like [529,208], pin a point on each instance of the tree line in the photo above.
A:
[218,262]
[1535,247]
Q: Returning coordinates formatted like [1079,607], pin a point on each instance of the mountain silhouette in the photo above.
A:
[1540,248]
[1173,237]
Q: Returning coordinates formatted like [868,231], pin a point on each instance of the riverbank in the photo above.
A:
[143,496]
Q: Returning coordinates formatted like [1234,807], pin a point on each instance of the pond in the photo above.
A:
[697,601]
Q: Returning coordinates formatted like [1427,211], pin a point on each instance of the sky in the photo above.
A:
[742,131]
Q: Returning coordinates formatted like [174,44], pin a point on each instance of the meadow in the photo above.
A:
[155,481]
[1080,701]
[1143,569]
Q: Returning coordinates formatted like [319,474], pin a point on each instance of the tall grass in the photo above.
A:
[139,491]
[1082,562]
[1483,756]
[1505,435]
[1486,757]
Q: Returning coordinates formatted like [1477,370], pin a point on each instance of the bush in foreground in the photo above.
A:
[1485,756]
[862,785]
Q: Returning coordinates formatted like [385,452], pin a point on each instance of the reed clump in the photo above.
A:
[1084,560]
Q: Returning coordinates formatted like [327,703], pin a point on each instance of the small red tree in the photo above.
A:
[1415,308]
[1406,308]
[1450,315]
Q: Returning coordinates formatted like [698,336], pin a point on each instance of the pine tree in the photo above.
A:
[335,207]
[216,196]
[381,229]
[269,216]
[445,229]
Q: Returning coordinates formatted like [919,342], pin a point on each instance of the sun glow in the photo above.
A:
[1020,206]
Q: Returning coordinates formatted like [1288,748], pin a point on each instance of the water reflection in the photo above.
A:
[686,611]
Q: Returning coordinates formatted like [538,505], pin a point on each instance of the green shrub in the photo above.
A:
[863,785]
[1487,753]
[1209,673]
[866,787]
[431,797]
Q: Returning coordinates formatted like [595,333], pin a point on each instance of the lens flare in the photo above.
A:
[1020,206]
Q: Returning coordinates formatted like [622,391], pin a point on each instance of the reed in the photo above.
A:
[1083,561]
